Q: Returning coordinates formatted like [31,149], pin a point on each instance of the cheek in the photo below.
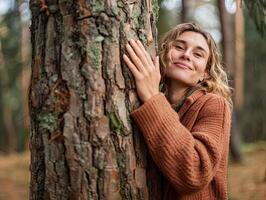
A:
[169,56]
[201,66]
[172,54]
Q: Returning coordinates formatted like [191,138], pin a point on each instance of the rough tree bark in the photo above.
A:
[83,144]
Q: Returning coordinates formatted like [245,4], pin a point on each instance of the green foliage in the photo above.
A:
[10,70]
[252,147]
[167,18]
[257,11]
[253,116]
[10,41]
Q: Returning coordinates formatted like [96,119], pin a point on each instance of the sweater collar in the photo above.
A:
[190,100]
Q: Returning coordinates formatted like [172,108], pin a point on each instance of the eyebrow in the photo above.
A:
[198,47]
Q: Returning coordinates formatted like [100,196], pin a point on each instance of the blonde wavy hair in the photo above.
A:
[217,81]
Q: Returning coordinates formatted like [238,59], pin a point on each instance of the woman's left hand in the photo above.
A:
[146,72]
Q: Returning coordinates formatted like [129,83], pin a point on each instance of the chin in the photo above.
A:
[182,78]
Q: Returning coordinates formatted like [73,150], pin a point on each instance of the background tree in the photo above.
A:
[184,11]
[82,143]
[11,117]
[233,63]
[257,11]
[252,117]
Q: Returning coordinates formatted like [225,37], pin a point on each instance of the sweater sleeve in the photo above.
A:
[187,159]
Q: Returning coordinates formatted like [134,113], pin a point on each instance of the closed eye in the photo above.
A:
[179,47]
[199,55]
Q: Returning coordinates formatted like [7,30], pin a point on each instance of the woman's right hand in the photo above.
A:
[146,72]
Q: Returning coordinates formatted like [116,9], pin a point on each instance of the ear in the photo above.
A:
[205,76]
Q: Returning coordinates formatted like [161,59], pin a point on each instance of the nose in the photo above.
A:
[186,54]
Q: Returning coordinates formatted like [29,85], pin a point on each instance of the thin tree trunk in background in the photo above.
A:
[239,56]
[239,73]
[238,81]
[81,94]
[25,78]
[8,131]
[2,126]
[227,38]
[184,11]
[265,176]
[10,72]
[229,57]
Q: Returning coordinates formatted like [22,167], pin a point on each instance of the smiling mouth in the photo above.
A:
[182,65]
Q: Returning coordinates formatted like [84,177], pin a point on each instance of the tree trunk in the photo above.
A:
[24,81]
[82,141]
[184,11]
[239,56]
[239,81]
[2,124]
[8,136]
[227,38]
[229,56]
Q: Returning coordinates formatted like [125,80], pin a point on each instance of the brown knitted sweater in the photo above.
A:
[189,147]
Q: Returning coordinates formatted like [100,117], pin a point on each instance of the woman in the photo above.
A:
[186,125]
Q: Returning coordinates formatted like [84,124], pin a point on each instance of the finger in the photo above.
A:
[135,59]
[131,66]
[140,54]
[157,63]
[147,55]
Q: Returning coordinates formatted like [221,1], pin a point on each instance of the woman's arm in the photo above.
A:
[189,160]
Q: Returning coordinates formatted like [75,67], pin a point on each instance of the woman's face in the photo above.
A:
[188,59]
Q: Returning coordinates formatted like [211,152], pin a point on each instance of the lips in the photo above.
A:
[183,65]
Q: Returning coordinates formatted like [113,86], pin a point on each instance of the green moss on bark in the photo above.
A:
[116,123]
[97,6]
[94,52]
[155,9]
[48,121]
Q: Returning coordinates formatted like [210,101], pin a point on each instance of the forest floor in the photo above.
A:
[14,176]
[246,181]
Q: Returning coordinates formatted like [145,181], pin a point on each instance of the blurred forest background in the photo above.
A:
[239,29]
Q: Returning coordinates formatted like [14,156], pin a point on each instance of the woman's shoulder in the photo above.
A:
[210,96]
[212,102]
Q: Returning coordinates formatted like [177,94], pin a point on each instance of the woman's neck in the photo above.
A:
[176,92]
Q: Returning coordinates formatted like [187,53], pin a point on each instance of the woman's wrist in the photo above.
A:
[151,96]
